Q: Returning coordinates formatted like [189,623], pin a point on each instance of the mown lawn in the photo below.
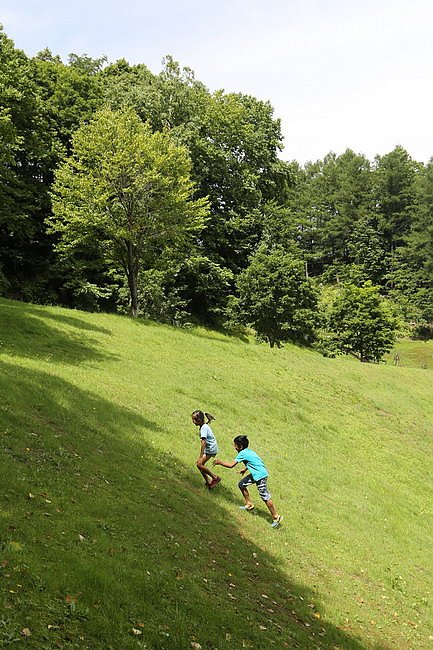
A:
[109,540]
[413,354]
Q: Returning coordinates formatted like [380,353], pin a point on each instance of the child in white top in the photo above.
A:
[208,447]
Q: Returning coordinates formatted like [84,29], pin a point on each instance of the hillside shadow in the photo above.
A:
[73,321]
[225,336]
[29,331]
[174,562]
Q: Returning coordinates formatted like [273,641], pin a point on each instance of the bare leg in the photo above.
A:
[272,509]
[247,497]
[205,472]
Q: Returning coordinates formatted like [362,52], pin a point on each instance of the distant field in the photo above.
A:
[413,354]
[108,539]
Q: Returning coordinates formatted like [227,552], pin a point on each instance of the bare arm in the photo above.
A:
[202,447]
[225,463]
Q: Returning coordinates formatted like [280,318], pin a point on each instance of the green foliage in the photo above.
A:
[25,151]
[362,322]
[330,198]
[233,141]
[412,277]
[42,101]
[347,218]
[127,189]
[205,287]
[160,296]
[395,178]
[70,95]
[276,299]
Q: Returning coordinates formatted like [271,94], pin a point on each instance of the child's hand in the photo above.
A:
[242,471]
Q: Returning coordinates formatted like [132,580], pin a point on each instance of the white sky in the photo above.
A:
[339,73]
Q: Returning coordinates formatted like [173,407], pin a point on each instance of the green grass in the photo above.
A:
[105,526]
[413,354]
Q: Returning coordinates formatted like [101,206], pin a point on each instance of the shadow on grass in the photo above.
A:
[108,543]
[27,332]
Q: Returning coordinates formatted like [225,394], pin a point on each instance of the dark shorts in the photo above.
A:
[262,486]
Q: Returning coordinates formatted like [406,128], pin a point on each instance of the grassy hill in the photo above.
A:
[109,539]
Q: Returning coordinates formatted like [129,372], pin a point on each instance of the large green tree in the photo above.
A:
[362,322]
[276,299]
[127,192]
[25,154]
[70,94]
[233,141]
[330,202]
[395,178]
[412,278]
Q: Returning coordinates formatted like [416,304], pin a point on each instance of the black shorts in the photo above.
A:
[262,486]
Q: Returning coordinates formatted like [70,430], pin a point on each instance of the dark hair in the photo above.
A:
[199,416]
[241,441]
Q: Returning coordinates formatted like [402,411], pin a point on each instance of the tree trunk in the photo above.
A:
[134,296]
[132,282]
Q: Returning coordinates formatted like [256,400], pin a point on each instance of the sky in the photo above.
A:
[339,73]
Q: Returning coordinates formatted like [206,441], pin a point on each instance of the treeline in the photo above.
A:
[125,190]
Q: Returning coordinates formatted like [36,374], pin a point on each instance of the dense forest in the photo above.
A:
[124,190]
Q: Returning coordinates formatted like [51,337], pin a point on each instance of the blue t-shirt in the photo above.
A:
[207,434]
[253,462]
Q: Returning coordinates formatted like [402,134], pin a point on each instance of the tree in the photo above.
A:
[412,279]
[127,191]
[395,195]
[362,322]
[276,299]
[70,95]
[233,141]
[25,146]
[329,200]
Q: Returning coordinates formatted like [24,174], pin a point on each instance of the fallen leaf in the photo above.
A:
[26,632]
[71,599]
[195,645]
[136,632]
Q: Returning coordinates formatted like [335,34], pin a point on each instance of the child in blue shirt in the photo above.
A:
[258,475]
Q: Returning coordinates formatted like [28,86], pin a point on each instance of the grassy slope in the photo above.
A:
[413,354]
[105,525]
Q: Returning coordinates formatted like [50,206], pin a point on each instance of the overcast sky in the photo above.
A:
[339,73]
